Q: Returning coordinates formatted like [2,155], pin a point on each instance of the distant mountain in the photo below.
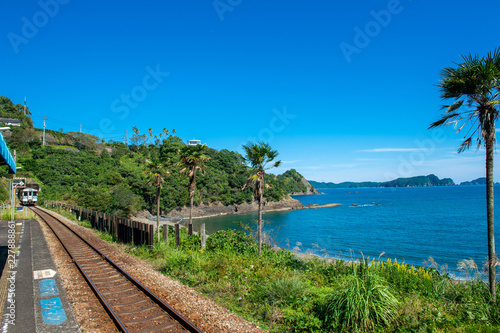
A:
[479,181]
[430,180]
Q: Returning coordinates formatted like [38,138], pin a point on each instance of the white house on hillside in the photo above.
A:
[194,142]
[11,122]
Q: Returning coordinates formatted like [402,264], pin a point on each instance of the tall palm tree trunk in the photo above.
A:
[190,226]
[490,218]
[191,197]
[158,212]
[259,224]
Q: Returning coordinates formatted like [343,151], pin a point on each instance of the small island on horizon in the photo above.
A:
[417,181]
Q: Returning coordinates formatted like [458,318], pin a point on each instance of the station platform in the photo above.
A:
[32,297]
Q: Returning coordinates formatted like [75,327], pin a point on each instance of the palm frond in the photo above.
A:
[474,83]
[455,106]
[445,120]
[465,145]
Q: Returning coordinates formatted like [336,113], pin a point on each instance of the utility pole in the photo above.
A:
[126,138]
[80,128]
[44,118]
[13,202]
[24,105]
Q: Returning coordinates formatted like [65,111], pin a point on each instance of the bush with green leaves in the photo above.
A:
[285,291]
[230,240]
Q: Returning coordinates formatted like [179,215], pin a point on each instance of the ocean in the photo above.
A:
[408,224]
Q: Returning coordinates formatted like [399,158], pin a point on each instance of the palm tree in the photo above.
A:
[192,159]
[157,171]
[474,86]
[258,155]
[150,130]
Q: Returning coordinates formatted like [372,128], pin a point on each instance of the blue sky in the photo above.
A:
[344,90]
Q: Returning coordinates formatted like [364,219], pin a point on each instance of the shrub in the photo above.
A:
[406,277]
[230,240]
[285,290]
[191,242]
[359,301]
[301,321]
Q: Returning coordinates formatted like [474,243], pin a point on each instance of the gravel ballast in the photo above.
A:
[201,311]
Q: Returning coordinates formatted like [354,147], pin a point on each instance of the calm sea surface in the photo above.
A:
[407,224]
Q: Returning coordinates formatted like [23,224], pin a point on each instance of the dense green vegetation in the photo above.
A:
[111,177]
[282,293]
[15,111]
[292,181]
[430,180]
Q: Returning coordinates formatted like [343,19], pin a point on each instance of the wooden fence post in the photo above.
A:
[130,236]
[202,235]
[151,235]
[119,228]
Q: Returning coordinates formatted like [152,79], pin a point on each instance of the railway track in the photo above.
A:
[131,306]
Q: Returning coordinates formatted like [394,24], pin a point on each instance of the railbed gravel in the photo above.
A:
[89,312]
[204,313]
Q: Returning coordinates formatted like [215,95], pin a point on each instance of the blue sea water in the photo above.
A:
[407,224]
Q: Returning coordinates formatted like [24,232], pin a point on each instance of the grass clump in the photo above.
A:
[291,291]
[362,300]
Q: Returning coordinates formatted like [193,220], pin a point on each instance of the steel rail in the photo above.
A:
[185,323]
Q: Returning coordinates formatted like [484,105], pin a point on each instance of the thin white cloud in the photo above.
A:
[343,166]
[312,167]
[392,150]
[291,162]
[371,159]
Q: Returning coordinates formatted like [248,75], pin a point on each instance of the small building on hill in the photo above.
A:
[11,122]
[194,142]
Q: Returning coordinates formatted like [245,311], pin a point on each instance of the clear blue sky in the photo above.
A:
[344,90]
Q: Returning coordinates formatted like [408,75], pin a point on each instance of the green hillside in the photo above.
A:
[79,168]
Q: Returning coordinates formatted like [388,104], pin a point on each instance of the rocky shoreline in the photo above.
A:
[203,211]
[212,210]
